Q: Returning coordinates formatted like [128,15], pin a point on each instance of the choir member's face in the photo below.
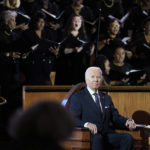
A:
[93,79]
[107,67]
[12,23]
[78,2]
[76,23]
[40,24]
[13,2]
[119,55]
[147,27]
[114,27]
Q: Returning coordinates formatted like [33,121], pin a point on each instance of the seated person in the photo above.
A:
[41,127]
[95,111]
[119,68]
[102,62]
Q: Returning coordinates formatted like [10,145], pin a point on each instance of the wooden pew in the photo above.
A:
[128,100]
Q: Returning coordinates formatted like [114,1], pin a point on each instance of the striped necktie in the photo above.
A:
[97,102]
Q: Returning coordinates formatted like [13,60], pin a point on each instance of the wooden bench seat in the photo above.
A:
[80,140]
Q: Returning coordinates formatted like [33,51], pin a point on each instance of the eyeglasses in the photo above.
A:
[115,26]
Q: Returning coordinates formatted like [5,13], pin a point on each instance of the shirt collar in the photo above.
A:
[91,91]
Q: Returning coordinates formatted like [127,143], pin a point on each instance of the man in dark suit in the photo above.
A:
[95,111]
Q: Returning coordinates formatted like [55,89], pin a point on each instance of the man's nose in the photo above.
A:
[95,79]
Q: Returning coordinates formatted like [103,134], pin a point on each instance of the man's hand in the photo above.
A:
[130,124]
[92,127]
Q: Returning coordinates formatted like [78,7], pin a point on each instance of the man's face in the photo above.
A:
[93,79]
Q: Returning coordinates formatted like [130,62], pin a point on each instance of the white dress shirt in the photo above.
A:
[92,94]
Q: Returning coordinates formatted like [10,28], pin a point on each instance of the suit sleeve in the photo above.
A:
[76,108]
[118,120]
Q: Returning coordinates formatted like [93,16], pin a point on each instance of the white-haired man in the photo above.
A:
[95,111]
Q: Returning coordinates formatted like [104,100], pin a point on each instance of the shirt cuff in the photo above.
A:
[85,125]
[129,120]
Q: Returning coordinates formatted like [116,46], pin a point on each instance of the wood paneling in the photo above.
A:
[129,102]
[31,98]
[34,94]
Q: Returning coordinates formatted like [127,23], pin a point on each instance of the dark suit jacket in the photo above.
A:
[85,110]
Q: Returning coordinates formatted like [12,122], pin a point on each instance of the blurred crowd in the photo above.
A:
[41,37]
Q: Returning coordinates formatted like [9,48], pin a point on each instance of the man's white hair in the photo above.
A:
[92,68]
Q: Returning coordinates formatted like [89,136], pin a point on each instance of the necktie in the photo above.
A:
[97,101]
